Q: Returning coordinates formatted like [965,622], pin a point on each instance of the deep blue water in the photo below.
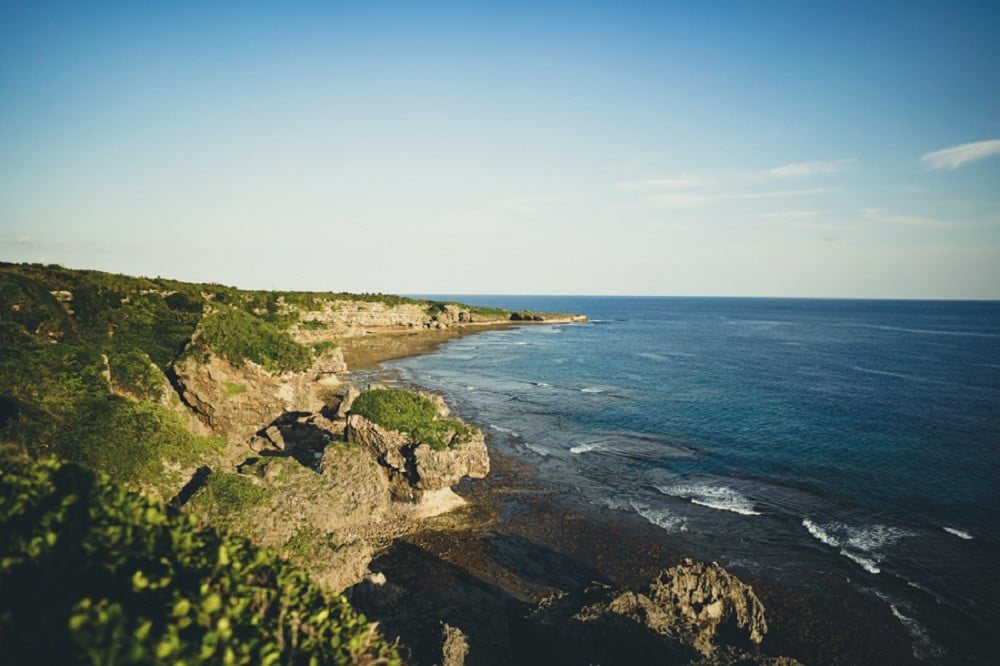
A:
[859,439]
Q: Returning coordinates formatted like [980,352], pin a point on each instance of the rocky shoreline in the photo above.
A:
[503,570]
[516,557]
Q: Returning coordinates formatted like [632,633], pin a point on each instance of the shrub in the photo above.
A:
[234,493]
[241,337]
[134,373]
[412,413]
[90,573]
[324,346]
[232,388]
[313,325]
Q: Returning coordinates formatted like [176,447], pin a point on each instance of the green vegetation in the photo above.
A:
[234,493]
[324,346]
[242,337]
[90,573]
[54,400]
[414,414]
[313,325]
[489,313]
[309,543]
[232,388]
[134,373]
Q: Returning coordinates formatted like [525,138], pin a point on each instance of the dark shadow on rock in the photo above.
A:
[193,485]
[296,435]
[422,591]
[554,634]
[539,564]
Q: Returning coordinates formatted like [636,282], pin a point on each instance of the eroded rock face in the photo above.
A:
[704,600]
[692,612]
[442,469]
[238,401]
[422,467]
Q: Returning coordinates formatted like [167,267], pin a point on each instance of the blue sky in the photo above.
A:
[755,149]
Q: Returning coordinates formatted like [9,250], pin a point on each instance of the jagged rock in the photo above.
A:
[239,400]
[273,434]
[709,600]
[421,466]
[345,403]
[454,646]
[442,469]
[693,612]
[387,446]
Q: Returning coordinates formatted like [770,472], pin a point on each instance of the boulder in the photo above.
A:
[346,401]
[422,467]
[239,400]
[693,612]
[705,600]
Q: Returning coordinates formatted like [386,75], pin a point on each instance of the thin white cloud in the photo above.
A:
[684,200]
[800,169]
[683,182]
[879,215]
[956,156]
[789,214]
[530,204]
[23,239]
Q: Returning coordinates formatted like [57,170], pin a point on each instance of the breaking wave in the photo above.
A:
[714,497]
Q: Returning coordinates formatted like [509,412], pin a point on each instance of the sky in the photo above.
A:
[641,148]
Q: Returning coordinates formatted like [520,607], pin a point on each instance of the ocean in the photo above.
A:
[796,439]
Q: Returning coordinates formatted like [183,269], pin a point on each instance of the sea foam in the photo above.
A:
[721,498]
[863,545]
[961,534]
[662,518]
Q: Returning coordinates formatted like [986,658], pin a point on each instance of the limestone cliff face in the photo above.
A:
[240,400]
[351,318]
[415,465]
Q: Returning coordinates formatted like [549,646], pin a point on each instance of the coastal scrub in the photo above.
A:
[413,414]
[92,573]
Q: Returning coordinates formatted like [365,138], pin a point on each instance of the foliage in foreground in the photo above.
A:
[412,413]
[90,573]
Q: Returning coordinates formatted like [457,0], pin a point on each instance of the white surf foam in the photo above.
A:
[868,564]
[584,448]
[922,646]
[540,450]
[886,373]
[662,518]
[721,498]
[652,357]
[506,431]
[592,389]
[863,545]
[961,534]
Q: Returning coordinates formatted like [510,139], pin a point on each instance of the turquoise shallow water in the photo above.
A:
[792,437]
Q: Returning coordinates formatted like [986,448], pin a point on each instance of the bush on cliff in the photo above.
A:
[241,337]
[90,573]
[412,413]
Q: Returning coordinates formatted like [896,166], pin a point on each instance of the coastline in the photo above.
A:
[517,540]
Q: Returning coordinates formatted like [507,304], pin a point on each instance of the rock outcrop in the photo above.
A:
[237,401]
[704,601]
[693,612]
[416,466]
